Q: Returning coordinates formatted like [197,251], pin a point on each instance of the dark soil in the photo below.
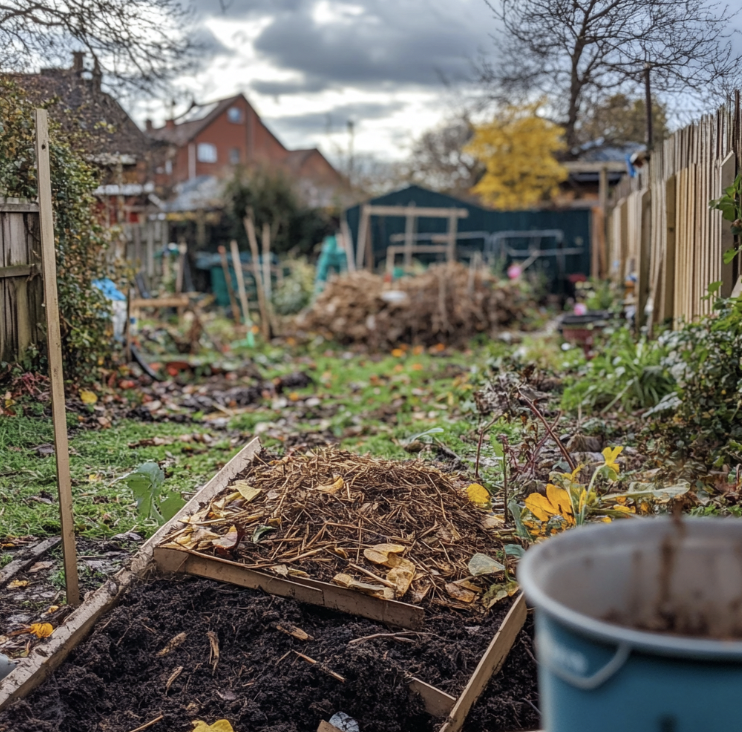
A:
[116,681]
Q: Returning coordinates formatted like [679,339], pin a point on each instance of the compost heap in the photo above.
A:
[394,530]
[448,303]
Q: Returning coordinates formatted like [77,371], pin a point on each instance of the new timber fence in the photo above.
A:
[660,227]
[21,287]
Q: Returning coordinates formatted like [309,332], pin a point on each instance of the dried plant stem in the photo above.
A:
[482,433]
[543,421]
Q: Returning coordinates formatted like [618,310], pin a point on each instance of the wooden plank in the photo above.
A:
[437,702]
[492,661]
[240,275]
[453,223]
[409,233]
[54,348]
[347,239]
[299,588]
[228,280]
[42,661]
[27,559]
[667,293]
[363,235]
[174,301]
[643,256]
[17,270]
[18,207]
[419,211]
[265,325]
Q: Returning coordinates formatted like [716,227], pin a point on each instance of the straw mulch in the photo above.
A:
[332,513]
[448,304]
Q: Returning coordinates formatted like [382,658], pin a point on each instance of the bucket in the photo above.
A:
[639,626]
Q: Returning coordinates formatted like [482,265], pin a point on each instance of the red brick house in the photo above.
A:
[211,139]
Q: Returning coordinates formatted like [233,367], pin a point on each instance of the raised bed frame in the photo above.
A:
[43,659]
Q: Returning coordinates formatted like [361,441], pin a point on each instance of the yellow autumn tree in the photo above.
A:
[517,149]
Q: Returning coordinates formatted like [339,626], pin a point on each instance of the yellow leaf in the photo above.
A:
[398,353]
[610,454]
[220,726]
[246,490]
[560,498]
[332,488]
[478,494]
[345,580]
[556,502]
[402,575]
[15,584]
[88,397]
[460,593]
[379,554]
[41,630]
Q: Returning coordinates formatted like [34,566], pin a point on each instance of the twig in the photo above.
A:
[320,666]
[543,421]
[374,576]
[396,636]
[149,724]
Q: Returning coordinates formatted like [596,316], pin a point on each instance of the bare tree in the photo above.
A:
[577,52]
[437,159]
[135,43]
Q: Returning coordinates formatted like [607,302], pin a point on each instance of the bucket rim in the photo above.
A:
[663,644]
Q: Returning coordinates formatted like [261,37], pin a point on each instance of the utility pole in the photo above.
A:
[351,134]
[648,105]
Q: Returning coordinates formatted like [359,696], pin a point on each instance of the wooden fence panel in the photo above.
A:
[21,289]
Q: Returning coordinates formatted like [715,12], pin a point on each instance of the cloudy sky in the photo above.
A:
[309,66]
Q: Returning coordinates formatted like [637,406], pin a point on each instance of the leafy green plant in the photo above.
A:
[626,372]
[81,240]
[730,205]
[154,501]
[296,290]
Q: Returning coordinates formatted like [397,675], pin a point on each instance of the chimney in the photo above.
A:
[148,125]
[97,76]
[169,124]
[78,61]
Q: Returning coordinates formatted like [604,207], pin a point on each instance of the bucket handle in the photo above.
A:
[588,683]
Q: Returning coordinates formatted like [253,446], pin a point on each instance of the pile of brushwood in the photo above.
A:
[394,530]
[448,303]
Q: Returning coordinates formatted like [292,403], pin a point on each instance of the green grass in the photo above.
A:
[416,391]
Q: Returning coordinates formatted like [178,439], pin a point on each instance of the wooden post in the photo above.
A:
[409,231]
[453,224]
[727,238]
[264,322]
[668,269]
[267,285]
[347,244]
[230,290]
[363,232]
[180,272]
[150,253]
[54,345]
[237,264]
[643,255]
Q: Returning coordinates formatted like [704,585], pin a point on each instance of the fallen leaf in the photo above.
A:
[41,630]
[40,566]
[460,593]
[220,726]
[88,397]
[260,531]
[379,554]
[214,652]
[332,488]
[478,494]
[247,491]
[230,540]
[499,592]
[556,502]
[345,580]
[417,595]
[15,584]
[469,585]
[297,573]
[295,632]
[281,570]
[482,564]
[172,644]
[402,576]
[52,609]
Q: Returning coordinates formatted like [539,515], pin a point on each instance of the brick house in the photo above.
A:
[211,139]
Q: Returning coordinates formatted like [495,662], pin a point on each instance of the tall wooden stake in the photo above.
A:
[237,264]
[228,280]
[54,345]
[264,322]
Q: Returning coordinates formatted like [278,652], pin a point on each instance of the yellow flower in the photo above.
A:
[556,502]
[610,454]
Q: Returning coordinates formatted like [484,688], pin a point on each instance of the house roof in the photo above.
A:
[190,123]
[103,126]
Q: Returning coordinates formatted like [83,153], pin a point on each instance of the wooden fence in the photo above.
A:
[21,287]
[660,228]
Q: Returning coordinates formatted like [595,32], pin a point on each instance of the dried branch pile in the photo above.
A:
[448,304]
[398,530]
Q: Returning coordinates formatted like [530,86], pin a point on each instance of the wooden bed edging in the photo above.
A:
[40,663]
[491,662]
[302,590]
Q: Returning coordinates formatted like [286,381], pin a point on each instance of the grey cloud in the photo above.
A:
[317,122]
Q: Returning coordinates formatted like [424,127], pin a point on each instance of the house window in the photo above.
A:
[206,152]
[234,155]
[234,114]
[169,167]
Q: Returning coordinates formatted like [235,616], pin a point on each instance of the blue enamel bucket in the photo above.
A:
[639,626]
